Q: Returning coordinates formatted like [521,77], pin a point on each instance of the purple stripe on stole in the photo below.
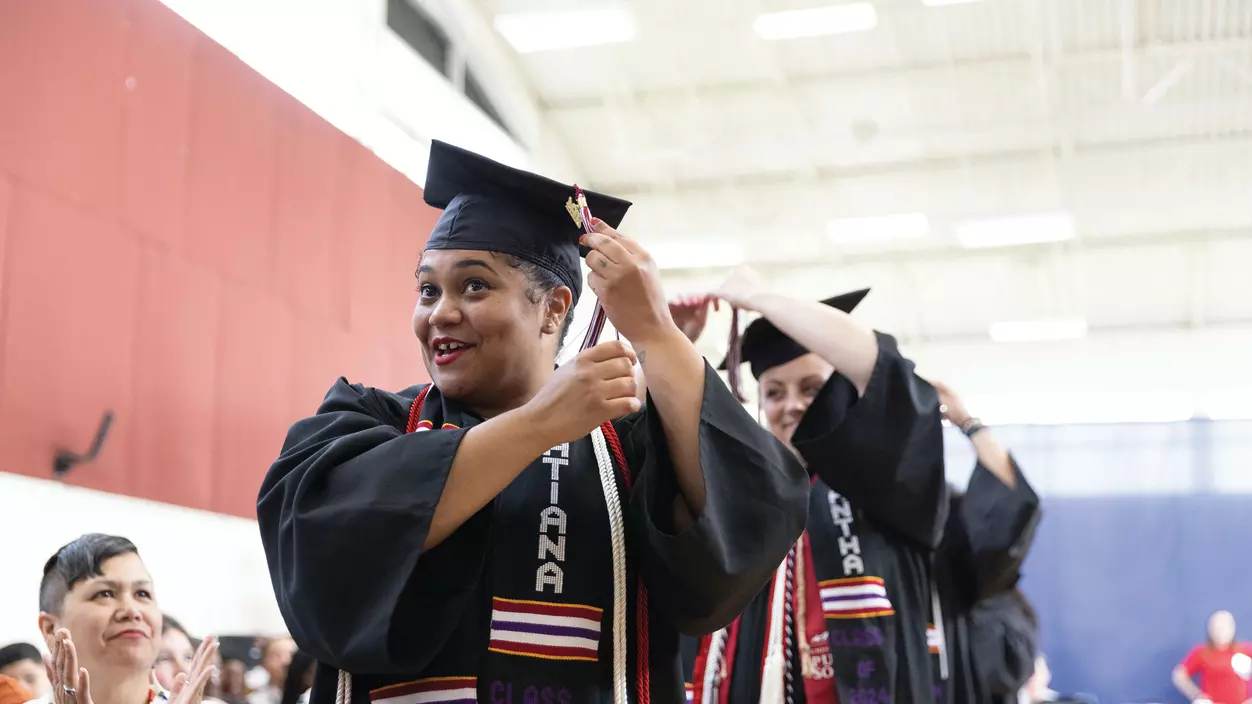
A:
[521,627]
[853,597]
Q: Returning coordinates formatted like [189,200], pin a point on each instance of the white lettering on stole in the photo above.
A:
[849,542]
[550,549]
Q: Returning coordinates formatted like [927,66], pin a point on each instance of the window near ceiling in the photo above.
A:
[419,31]
[474,91]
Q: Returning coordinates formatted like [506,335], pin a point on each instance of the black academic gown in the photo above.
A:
[1004,637]
[876,512]
[516,605]
[989,531]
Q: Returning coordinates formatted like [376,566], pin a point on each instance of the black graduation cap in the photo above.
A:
[764,346]
[488,206]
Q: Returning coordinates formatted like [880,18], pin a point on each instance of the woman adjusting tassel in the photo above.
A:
[515,532]
[845,616]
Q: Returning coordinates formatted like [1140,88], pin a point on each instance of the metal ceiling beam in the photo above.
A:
[951,254]
[1175,50]
[991,158]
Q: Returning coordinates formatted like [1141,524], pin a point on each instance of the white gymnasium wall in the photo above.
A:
[209,569]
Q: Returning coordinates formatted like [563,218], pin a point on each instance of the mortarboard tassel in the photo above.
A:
[617,530]
[598,315]
[734,355]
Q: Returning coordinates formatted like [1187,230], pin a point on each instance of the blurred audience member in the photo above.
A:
[22,662]
[231,686]
[178,655]
[275,659]
[1223,666]
[12,691]
[299,679]
[176,652]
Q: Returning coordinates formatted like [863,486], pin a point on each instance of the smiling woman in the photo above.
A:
[99,590]
[467,540]
[99,618]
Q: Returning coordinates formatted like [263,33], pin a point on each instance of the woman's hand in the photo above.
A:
[70,683]
[189,686]
[627,282]
[741,288]
[951,406]
[598,385]
[691,313]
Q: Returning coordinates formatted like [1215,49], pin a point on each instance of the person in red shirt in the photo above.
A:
[1224,666]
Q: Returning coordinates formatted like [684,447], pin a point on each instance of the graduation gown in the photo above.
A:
[989,532]
[516,605]
[1004,637]
[877,506]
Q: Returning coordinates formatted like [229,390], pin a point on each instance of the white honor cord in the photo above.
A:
[775,658]
[617,531]
[943,637]
[344,694]
[712,665]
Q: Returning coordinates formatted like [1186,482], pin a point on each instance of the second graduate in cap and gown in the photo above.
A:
[845,617]
[515,532]
[989,531]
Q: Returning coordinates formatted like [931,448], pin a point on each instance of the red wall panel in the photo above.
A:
[323,354]
[61,75]
[363,224]
[233,128]
[69,335]
[254,389]
[176,365]
[308,176]
[156,119]
[185,244]
[6,191]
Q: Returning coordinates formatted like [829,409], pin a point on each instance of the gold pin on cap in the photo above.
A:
[575,213]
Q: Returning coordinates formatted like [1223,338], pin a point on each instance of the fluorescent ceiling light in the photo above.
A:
[878,228]
[817,21]
[531,32]
[1017,230]
[695,255]
[1038,330]
[943,3]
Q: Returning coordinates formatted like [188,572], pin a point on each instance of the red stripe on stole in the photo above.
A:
[861,613]
[852,582]
[437,684]
[543,651]
[529,607]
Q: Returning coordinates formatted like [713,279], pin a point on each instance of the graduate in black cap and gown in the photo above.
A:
[845,617]
[514,532]
[990,528]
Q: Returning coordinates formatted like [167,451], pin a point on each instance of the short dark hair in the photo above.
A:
[76,561]
[17,652]
[541,281]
